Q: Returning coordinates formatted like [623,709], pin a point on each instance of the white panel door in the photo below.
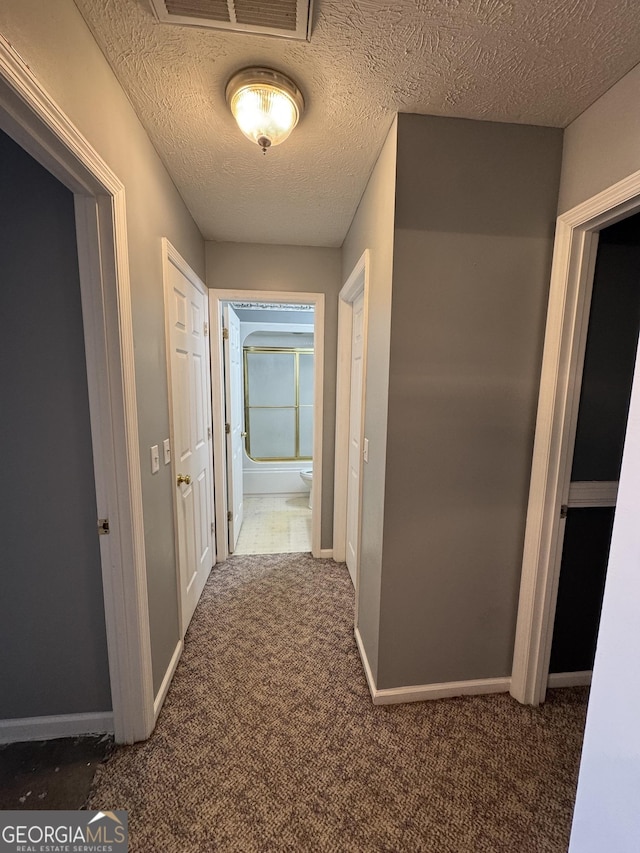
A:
[234,396]
[192,467]
[355,430]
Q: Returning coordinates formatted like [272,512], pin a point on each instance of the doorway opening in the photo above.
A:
[558,485]
[34,121]
[607,377]
[267,385]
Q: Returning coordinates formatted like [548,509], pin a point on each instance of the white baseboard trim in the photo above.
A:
[166,681]
[570,679]
[423,692]
[446,690]
[326,554]
[56,726]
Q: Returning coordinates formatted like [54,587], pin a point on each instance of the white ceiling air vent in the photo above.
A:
[285,18]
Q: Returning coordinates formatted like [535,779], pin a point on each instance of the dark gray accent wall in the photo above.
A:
[585,554]
[53,651]
[610,354]
[475,215]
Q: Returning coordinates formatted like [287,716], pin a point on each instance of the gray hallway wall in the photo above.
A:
[602,146]
[53,650]
[475,215]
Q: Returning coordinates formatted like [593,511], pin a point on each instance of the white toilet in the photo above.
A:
[307,477]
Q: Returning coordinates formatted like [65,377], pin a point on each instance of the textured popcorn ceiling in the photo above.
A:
[527,61]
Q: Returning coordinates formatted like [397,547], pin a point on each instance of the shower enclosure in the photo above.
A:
[278,403]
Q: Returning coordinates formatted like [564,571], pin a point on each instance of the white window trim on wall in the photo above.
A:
[565,339]
[216,299]
[31,117]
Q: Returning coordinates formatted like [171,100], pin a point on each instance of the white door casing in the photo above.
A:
[233,374]
[357,285]
[355,439]
[190,403]
[565,337]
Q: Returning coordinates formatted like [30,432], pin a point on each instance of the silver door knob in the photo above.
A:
[184,478]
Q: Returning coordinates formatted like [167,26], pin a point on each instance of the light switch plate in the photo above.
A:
[155,459]
[166,447]
[365,450]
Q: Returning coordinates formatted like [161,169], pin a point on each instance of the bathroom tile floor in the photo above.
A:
[275,524]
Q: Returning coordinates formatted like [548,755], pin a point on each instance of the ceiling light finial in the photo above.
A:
[267,105]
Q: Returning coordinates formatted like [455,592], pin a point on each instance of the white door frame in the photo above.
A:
[234,385]
[170,255]
[34,121]
[216,298]
[357,283]
[565,338]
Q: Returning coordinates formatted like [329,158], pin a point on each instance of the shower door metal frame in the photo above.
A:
[297,351]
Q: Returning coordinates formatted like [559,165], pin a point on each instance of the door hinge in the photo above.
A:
[225,334]
[229,516]
[564,509]
[103,526]
[213,527]
[206,329]
[227,428]
[208,432]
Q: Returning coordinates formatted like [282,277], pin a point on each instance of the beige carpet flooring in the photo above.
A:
[269,742]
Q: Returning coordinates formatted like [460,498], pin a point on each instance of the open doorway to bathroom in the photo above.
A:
[268,419]
[275,391]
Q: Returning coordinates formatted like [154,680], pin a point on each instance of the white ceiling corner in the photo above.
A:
[525,61]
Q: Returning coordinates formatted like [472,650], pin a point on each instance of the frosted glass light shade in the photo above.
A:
[266,105]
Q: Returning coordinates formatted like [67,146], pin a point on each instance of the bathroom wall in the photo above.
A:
[247,266]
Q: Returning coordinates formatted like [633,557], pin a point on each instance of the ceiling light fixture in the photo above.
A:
[266,104]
